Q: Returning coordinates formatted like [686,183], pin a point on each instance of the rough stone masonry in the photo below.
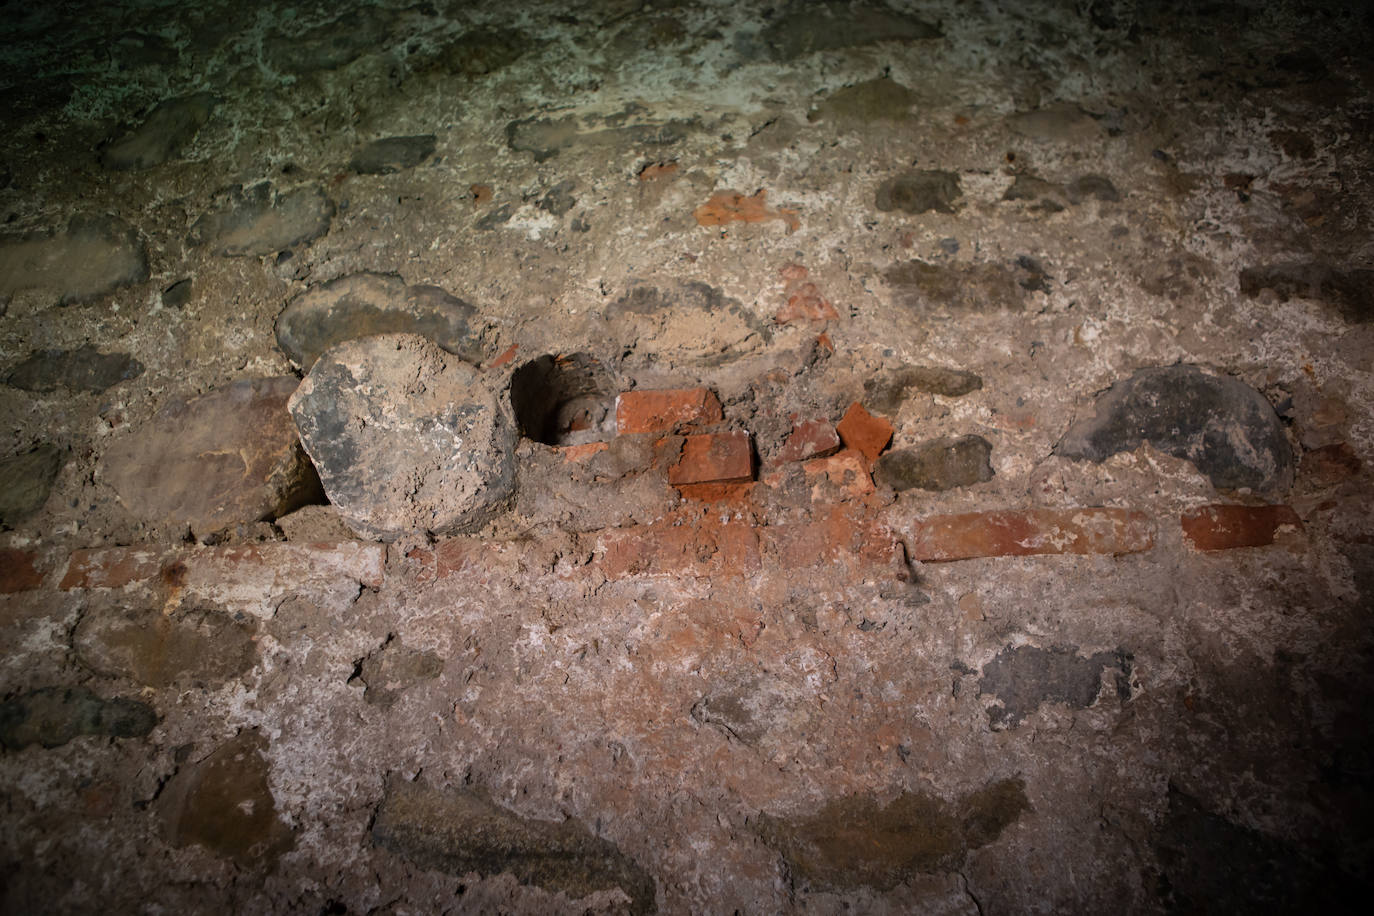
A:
[623,456]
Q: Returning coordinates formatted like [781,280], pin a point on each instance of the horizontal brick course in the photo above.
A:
[714,458]
[258,568]
[1221,527]
[1019,533]
[665,411]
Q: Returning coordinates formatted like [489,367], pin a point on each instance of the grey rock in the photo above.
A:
[226,458]
[461,831]
[1349,291]
[328,46]
[481,52]
[559,199]
[1223,426]
[365,304]
[918,192]
[177,295]
[881,99]
[924,287]
[937,464]
[1099,186]
[225,804]
[497,217]
[163,134]
[82,369]
[1061,122]
[806,27]
[1024,677]
[94,256]
[389,671]
[885,393]
[392,154]
[25,482]
[546,138]
[1047,195]
[259,220]
[52,716]
[406,437]
[198,647]
[858,841]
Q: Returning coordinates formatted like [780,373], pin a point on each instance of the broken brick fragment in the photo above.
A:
[666,410]
[1021,533]
[810,439]
[731,206]
[847,470]
[1227,527]
[714,458]
[267,568]
[656,170]
[804,299]
[18,571]
[861,430]
[504,358]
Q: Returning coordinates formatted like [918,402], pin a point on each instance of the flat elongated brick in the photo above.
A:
[666,410]
[714,458]
[840,535]
[477,559]
[1020,533]
[1224,527]
[18,571]
[234,573]
[702,548]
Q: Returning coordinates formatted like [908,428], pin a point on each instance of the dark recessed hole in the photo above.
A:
[563,400]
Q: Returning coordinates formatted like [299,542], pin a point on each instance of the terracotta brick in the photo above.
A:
[810,439]
[666,410]
[861,430]
[237,573]
[679,548]
[848,470]
[18,571]
[840,535]
[1020,533]
[1226,527]
[730,206]
[506,356]
[714,458]
[656,170]
[577,454]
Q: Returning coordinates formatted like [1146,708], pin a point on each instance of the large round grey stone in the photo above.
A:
[405,436]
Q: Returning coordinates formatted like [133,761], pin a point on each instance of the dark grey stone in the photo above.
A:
[406,437]
[166,130]
[461,831]
[919,192]
[1220,424]
[25,482]
[1350,292]
[546,138]
[259,220]
[480,52]
[1099,186]
[177,295]
[392,669]
[885,393]
[1023,677]
[392,154]
[94,256]
[498,217]
[328,46]
[559,199]
[52,716]
[364,304]
[924,287]
[82,369]
[937,464]
[808,26]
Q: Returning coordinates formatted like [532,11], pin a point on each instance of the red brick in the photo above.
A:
[238,572]
[1226,527]
[810,439]
[680,548]
[714,458]
[840,535]
[504,358]
[860,430]
[18,571]
[728,206]
[1022,533]
[665,411]
[577,454]
[847,470]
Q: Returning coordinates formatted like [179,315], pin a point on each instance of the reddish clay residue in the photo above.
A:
[1228,527]
[481,193]
[804,299]
[505,357]
[18,571]
[731,206]
[656,170]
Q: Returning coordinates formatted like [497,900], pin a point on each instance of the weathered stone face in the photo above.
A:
[25,482]
[163,133]
[461,831]
[1220,424]
[367,304]
[406,437]
[52,716]
[939,464]
[392,154]
[224,803]
[82,369]
[261,220]
[94,256]
[197,647]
